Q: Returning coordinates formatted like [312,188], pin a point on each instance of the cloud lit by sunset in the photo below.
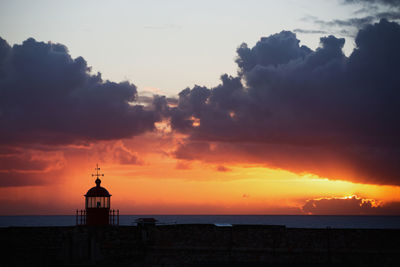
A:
[293,130]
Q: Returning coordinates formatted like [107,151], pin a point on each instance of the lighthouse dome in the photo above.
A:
[97,191]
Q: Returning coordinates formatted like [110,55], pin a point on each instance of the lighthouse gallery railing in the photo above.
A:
[113,217]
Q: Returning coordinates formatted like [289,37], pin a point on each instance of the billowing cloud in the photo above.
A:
[307,111]
[49,100]
[350,206]
[289,107]
[46,96]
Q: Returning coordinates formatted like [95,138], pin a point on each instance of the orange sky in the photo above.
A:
[158,183]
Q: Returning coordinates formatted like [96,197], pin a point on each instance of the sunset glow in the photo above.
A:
[160,184]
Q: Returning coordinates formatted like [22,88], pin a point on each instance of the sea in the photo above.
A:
[292,221]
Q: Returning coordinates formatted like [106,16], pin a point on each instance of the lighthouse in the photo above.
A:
[97,206]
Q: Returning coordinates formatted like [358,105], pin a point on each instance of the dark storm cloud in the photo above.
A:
[276,49]
[375,10]
[393,3]
[358,23]
[291,104]
[353,22]
[48,97]
[350,206]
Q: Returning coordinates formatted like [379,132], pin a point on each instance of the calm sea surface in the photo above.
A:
[296,221]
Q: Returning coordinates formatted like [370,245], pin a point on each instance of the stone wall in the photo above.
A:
[198,245]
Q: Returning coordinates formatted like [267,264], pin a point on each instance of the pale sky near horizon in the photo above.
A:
[163,46]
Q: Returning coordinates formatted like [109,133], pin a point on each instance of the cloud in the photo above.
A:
[313,109]
[350,206]
[190,151]
[288,107]
[374,11]
[29,167]
[276,49]
[48,97]
[222,168]
[183,165]
[392,3]
[352,22]
[112,152]
[309,31]
[15,178]
[350,26]
[126,157]
[49,100]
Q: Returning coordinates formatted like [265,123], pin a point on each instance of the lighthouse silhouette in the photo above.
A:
[97,206]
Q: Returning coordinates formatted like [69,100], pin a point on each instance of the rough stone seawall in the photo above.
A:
[198,245]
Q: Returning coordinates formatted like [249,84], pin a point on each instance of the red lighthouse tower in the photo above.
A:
[97,206]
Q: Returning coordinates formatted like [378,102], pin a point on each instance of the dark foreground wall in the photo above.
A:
[198,245]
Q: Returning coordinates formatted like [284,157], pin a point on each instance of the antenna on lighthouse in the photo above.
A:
[97,174]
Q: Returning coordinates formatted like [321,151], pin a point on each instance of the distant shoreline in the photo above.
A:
[291,221]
